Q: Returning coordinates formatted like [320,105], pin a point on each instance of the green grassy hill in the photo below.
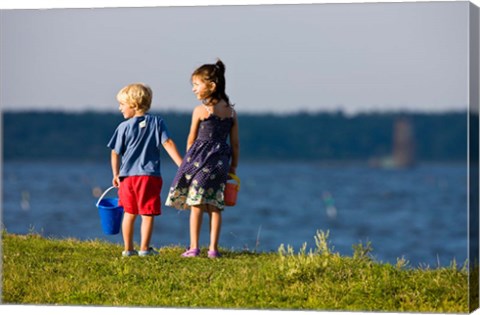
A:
[45,271]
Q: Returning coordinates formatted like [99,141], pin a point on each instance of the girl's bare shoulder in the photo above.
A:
[199,112]
[197,109]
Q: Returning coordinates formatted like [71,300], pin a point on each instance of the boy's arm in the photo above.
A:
[171,149]
[115,160]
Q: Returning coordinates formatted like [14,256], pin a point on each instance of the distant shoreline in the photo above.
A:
[303,136]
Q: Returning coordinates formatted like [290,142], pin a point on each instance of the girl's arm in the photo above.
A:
[171,149]
[115,161]
[193,127]
[235,143]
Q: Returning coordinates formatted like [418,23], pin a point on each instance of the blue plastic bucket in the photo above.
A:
[111,214]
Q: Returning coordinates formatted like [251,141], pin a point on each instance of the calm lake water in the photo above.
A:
[419,214]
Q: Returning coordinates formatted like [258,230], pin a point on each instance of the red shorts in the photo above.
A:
[141,195]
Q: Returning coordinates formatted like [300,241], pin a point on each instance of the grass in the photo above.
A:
[39,270]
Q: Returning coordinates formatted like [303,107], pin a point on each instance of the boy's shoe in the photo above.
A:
[128,253]
[214,254]
[191,253]
[149,252]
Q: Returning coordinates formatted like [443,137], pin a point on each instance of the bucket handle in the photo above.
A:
[103,195]
[235,178]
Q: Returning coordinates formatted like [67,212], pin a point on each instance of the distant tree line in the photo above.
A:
[303,136]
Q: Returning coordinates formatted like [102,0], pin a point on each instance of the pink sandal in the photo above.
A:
[194,252]
[214,254]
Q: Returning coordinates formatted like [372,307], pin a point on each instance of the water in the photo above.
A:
[419,214]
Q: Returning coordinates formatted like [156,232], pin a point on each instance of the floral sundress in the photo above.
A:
[201,178]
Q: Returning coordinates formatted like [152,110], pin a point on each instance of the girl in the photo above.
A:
[201,178]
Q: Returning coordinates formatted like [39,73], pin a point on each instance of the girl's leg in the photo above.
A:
[146,231]
[196,216]
[215,225]
[127,230]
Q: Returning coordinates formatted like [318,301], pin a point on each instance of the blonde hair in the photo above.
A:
[137,95]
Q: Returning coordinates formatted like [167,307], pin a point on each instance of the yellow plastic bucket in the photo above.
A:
[231,190]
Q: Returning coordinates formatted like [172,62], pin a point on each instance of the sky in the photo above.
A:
[353,57]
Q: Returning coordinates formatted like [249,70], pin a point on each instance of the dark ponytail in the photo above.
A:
[214,73]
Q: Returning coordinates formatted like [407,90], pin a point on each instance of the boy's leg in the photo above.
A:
[147,194]
[127,230]
[146,231]
[196,216]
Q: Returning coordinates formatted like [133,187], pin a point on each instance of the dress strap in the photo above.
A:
[208,109]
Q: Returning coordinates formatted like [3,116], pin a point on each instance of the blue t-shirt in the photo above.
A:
[138,141]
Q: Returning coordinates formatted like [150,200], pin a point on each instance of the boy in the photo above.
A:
[135,158]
